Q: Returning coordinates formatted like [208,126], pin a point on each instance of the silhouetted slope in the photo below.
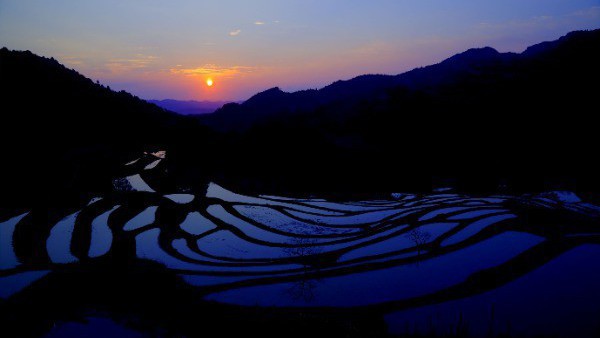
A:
[275,102]
[473,61]
[63,133]
[479,120]
[476,61]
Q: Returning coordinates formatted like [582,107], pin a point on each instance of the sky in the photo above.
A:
[168,49]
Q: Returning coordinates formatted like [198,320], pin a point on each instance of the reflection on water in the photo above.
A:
[92,327]
[551,301]
[58,244]
[394,283]
[476,227]
[101,234]
[144,218]
[8,259]
[12,284]
[196,224]
[405,253]
[180,198]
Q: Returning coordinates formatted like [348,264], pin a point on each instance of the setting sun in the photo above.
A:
[209,82]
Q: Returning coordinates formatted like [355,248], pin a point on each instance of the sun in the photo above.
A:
[209,82]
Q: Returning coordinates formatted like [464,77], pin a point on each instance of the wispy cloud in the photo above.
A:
[99,66]
[72,60]
[259,23]
[138,62]
[235,32]
[213,70]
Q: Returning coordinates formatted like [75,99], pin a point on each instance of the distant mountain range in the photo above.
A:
[473,63]
[190,107]
[478,121]
[275,102]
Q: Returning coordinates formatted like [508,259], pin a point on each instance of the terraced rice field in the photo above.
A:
[407,256]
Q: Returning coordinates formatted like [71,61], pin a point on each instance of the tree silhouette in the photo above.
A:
[419,237]
[303,249]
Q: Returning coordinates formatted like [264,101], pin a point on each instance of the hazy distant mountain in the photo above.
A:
[189,107]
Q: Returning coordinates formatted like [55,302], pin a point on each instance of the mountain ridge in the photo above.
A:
[487,125]
[491,121]
[359,87]
[260,107]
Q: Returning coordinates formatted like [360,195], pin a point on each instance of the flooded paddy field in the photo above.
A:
[141,261]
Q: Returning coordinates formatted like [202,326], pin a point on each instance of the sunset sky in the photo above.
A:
[168,49]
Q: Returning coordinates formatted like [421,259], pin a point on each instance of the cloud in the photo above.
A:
[138,62]
[259,23]
[213,70]
[235,32]
[72,61]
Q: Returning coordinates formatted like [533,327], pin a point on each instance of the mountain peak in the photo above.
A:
[271,91]
[474,55]
[476,64]
[267,95]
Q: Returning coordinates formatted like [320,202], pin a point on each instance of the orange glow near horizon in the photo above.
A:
[292,46]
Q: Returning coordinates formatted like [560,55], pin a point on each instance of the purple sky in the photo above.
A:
[168,49]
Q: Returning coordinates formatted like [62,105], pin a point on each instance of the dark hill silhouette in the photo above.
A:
[478,121]
[276,102]
[476,61]
[63,133]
